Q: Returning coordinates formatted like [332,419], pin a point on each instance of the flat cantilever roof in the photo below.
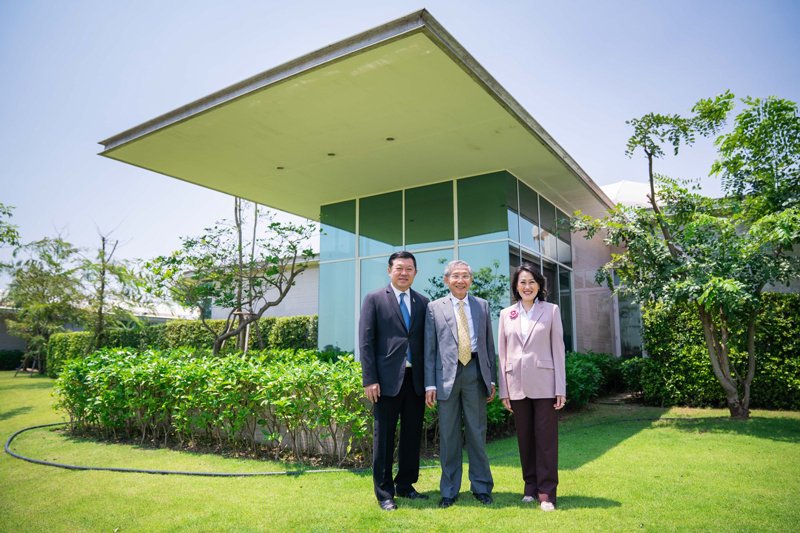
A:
[398,106]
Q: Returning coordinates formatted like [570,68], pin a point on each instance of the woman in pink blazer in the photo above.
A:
[532,381]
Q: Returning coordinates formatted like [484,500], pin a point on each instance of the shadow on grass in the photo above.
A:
[505,500]
[781,429]
[29,383]
[11,413]
[586,435]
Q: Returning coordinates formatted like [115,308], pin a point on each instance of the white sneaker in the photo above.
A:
[547,506]
[528,499]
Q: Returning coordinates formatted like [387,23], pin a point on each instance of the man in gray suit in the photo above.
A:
[460,365]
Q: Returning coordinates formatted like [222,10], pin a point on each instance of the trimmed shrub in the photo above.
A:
[297,332]
[10,359]
[299,404]
[190,333]
[65,346]
[678,370]
[584,379]
[631,370]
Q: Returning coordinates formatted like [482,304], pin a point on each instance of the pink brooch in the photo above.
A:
[513,314]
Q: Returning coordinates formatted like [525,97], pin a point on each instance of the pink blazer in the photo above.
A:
[532,367]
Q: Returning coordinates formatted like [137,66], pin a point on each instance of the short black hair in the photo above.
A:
[402,255]
[537,277]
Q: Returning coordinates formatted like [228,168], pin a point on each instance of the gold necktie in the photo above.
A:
[464,342]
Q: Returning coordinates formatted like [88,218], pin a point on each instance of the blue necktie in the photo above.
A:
[407,320]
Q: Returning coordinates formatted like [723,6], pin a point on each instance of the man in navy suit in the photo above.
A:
[391,332]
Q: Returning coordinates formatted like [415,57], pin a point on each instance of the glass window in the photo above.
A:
[380,224]
[565,305]
[512,201]
[430,271]
[337,231]
[374,275]
[490,266]
[563,245]
[337,305]
[547,238]
[551,281]
[429,216]
[630,327]
[484,207]
[528,218]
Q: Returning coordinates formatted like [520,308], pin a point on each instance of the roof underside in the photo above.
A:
[314,131]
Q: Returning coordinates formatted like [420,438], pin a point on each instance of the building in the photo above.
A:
[395,138]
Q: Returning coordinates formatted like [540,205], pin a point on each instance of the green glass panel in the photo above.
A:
[485,206]
[380,224]
[551,281]
[374,275]
[429,216]
[547,236]
[337,231]
[430,271]
[337,294]
[494,257]
[528,218]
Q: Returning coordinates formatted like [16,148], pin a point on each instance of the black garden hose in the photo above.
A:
[252,474]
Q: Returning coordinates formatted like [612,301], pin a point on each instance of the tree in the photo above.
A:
[234,265]
[9,234]
[713,256]
[487,283]
[111,288]
[45,287]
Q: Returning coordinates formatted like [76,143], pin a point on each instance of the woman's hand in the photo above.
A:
[561,401]
[507,404]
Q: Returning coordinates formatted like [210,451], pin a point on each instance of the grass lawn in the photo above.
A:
[619,471]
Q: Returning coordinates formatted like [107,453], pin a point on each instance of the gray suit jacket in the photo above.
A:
[441,344]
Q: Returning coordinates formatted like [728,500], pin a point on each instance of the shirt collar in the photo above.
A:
[398,292]
[456,300]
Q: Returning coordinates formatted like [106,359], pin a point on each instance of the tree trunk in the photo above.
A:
[718,353]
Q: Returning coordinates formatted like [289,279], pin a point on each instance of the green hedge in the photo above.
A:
[285,401]
[304,401]
[297,333]
[678,370]
[65,346]
[10,359]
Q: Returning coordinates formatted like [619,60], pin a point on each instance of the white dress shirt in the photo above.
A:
[407,299]
[473,340]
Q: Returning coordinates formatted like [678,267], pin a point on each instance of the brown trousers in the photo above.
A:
[537,435]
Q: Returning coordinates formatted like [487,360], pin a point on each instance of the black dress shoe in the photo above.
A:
[413,495]
[388,505]
[484,498]
[444,503]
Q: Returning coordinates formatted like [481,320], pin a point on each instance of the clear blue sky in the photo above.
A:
[77,72]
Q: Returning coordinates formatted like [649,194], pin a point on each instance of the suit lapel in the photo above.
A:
[450,316]
[538,311]
[395,305]
[417,310]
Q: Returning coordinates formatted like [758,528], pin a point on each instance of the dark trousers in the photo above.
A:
[409,408]
[537,435]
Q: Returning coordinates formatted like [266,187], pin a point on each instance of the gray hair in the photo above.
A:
[457,263]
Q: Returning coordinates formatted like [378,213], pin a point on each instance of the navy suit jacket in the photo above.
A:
[383,340]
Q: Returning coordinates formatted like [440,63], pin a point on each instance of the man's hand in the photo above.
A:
[507,405]
[491,396]
[561,401]
[372,392]
[430,398]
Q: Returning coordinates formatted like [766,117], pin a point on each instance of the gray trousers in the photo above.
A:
[468,398]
